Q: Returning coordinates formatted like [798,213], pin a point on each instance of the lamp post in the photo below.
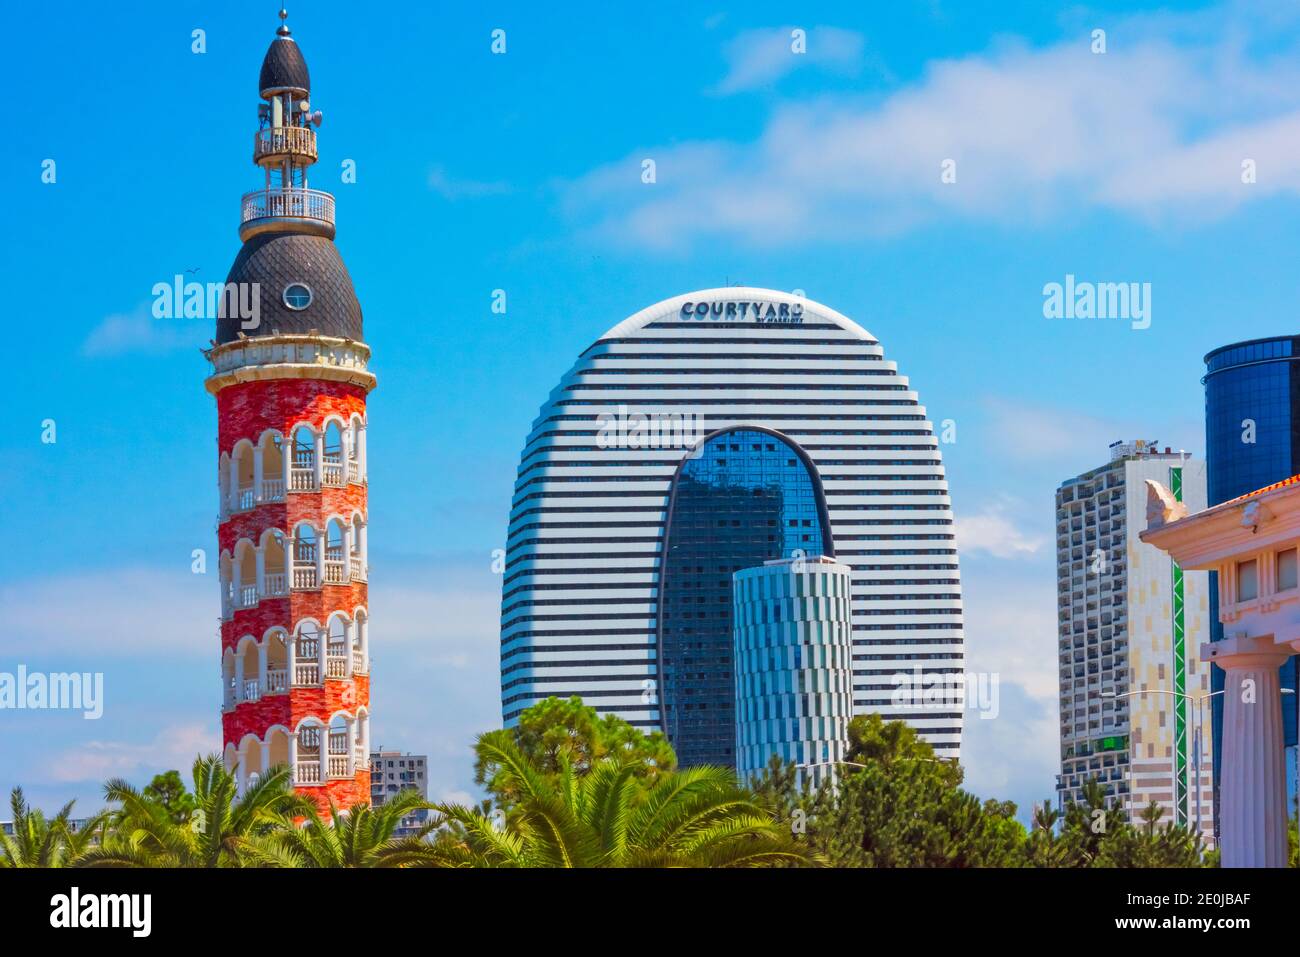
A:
[1200,723]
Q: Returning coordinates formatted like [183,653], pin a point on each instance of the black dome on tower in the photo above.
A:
[283,265]
[283,67]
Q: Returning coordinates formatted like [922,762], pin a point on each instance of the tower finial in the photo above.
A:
[284,27]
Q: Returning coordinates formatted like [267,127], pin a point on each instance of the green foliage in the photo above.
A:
[169,790]
[610,812]
[223,830]
[554,733]
[568,788]
[38,842]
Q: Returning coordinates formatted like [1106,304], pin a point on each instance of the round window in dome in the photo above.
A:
[297,296]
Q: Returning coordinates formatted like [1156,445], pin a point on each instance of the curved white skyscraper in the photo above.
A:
[708,433]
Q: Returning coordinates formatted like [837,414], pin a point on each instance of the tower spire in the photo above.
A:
[283,29]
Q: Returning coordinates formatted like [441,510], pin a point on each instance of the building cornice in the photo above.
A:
[289,357]
[1210,537]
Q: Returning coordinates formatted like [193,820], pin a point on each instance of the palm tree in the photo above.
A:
[223,831]
[698,817]
[38,842]
[361,837]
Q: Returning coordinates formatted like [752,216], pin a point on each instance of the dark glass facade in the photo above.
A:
[1252,439]
[744,497]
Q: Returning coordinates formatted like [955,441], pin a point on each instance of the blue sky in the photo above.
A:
[521,172]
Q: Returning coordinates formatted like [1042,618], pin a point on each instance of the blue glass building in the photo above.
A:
[1252,439]
[745,497]
[794,666]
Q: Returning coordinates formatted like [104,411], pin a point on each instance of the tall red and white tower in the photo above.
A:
[291,378]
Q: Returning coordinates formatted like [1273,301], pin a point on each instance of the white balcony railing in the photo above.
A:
[247,596]
[332,471]
[354,471]
[277,680]
[306,673]
[252,692]
[334,573]
[245,499]
[287,201]
[338,767]
[284,140]
[336,666]
[358,569]
[308,772]
[277,584]
[302,479]
[358,662]
[304,576]
[273,490]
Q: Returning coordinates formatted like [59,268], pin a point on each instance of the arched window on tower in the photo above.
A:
[360,643]
[302,476]
[249,668]
[227,576]
[336,654]
[245,575]
[305,556]
[271,452]
[228,680]
[357,555]
[223,481]
[354,449]
[340,751]
[244,493]
[275,581]
[332,470]
[277,663]
[310,748]
[334,553]
[306,655]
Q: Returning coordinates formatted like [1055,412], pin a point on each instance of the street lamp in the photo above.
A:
[1200,723]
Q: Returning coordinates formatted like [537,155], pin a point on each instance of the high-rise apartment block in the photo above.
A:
[1130,623]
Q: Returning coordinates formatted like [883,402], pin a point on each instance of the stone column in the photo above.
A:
[293,758]
[258,453]
[1252,792]
[318,459]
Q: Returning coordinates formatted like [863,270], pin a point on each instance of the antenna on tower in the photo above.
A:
[284,27]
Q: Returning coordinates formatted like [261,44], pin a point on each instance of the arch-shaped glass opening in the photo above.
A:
[332,463]
[302,475]
[743,497]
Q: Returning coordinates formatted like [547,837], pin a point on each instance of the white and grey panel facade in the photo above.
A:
[581,585]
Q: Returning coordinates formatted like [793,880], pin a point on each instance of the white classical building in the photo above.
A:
[1252,543]
[705,394]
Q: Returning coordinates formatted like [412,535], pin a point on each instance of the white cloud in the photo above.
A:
[99,760]
[994,532]
[757,58]
[117,612]
[1150,128]
[1074,441]
[139,332]
[442,183]
[1011,632]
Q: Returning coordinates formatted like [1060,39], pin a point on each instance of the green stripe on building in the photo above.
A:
[1180,675]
